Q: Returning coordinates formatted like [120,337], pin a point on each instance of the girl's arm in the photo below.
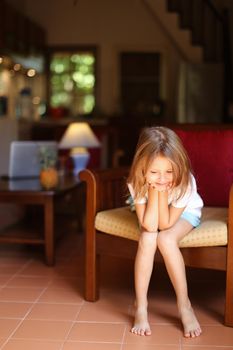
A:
[168,215]
[148,213]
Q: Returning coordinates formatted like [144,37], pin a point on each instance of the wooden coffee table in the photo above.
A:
[30,192]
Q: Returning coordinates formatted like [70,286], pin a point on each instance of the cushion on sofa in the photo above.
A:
[211,155]
[123,222]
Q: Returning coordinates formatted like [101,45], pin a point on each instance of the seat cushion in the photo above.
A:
[123,222]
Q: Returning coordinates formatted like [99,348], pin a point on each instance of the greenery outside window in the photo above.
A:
[72,80]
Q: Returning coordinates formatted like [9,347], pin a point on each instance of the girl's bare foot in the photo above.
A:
[141,325]
[191,326]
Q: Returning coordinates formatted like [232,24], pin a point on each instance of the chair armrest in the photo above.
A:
[106,189]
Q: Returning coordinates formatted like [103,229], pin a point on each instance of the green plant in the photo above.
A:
[47,157]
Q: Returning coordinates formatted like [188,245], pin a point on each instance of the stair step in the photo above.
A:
[180,38]
[186,13]
[173,5]
[209,34]
[197,22]
[206,30]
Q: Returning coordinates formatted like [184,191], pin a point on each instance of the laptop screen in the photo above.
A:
[24,158]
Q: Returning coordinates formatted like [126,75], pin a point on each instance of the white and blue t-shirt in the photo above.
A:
[190,200]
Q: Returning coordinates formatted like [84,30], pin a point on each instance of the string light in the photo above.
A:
[31,72]
[17,67]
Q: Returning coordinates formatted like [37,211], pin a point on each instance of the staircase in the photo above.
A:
[206,24]
[169,21]
[210,30]
[200,33]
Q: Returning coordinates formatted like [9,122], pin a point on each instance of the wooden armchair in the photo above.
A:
[112,229]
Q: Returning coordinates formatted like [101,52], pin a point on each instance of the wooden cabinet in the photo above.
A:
[140,82]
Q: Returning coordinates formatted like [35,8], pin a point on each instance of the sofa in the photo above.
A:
[112,227]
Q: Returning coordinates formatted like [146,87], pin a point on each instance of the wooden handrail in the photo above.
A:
[214,10]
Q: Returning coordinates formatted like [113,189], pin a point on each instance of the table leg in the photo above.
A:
[49,231]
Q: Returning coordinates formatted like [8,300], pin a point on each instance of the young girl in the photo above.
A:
[168,207]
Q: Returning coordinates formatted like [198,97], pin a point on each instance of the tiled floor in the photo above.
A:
[42,308]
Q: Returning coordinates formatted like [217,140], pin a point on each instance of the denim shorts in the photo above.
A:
[191,218]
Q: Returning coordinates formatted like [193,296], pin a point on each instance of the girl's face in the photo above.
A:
[160,173]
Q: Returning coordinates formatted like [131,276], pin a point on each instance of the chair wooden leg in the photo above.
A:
[229,289]
[92,261]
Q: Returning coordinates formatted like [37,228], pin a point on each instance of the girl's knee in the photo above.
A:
[148,240]
[165,240]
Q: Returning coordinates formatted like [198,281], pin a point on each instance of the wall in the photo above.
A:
[113,26]
[9,213]
[199,84]
[8,133]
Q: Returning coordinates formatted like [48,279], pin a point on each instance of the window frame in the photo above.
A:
[52,49]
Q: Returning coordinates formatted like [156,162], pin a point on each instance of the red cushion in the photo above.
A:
[211,155]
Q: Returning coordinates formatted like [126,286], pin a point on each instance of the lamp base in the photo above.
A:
[80,161]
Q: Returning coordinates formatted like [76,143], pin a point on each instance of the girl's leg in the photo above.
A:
[168,246]
[143,268]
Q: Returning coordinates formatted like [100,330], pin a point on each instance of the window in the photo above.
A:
[140,83]
[72,80]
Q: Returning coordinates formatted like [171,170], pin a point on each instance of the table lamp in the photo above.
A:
[78,137]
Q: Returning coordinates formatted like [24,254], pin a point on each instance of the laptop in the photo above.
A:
[24,158]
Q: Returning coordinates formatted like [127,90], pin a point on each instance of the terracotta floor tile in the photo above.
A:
[2,341]
[97,332]
[7,326]
[57,312]
[207,315]
[151,347]
[24,281]
[13,260]
[19,294]
[14,310]
[37,329]
[9,269]
[66,282]
[90,346]
[61,295]
[4,279]
[27,344]
[161,310]
[38,268]
[121,297]
[202,347]
[169,334]
[164,310]
[95,312]
[67,270]
[61,310]
[213,336]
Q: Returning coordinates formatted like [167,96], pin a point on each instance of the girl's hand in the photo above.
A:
[151,185]
[160,187]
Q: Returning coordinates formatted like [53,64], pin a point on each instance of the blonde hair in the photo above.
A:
[155,141]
